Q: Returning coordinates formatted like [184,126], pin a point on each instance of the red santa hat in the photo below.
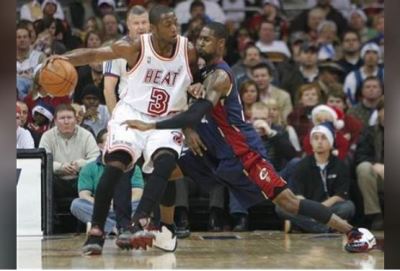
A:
[336,113]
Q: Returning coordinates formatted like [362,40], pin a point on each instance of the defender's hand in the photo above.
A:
[197,90]
[194,142]
[139,125]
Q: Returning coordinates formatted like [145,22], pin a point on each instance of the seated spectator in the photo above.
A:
[72,148]
[311,17]
[358,22]
[24,137]
[323,113]
[91,74]
[212,10]
[269,45]
[197,13]
[111,32]
[327,40]
[52,9]
[371,92]
[24,113]
[276,119]
[96,115]
[92,40]
[42,118]
[30,26]
[321,177]
[262,75]
[330,74]
[251,57]
[351,44]
[309,96]
[352,125]
[309,62]
[271,11]
[370,170]
[27,60]
[314,19]
[370,54]
[79,113]
[249,94]
[89,177]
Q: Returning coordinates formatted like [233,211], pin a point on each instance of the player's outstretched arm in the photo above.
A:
[216,85]
[119,49]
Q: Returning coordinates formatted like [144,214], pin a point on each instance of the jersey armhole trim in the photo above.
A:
[140,57]
[186,48]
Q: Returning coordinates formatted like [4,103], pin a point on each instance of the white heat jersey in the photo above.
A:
[157,85]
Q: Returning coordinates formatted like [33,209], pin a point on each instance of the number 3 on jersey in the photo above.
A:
[159,101]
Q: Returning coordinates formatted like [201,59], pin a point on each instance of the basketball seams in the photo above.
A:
[60,78]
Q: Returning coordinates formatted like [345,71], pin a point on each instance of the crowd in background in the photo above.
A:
[321,64]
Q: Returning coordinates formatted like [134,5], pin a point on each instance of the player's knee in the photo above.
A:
[118,159]
[164,162]
[168,199]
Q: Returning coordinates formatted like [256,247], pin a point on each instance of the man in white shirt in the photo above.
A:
[213,10]
[267,43]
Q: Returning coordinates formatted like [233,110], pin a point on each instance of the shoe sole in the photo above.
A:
[92,250]
[167,249]
[141,242]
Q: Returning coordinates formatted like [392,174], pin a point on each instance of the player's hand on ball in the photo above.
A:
[51,58]
[139,125]
[197,90]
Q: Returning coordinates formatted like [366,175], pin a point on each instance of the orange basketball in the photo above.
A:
[58,78]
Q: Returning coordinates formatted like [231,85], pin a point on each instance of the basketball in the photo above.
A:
[58,78]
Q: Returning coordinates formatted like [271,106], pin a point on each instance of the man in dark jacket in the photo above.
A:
[370,168]
[321,177]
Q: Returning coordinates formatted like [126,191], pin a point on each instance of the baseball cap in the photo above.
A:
[298,36]
[307,46]
[371,46]
[107,2]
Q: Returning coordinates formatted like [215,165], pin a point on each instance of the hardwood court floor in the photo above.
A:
[252,250]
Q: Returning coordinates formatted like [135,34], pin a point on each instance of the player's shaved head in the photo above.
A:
[157,11]
[219,30]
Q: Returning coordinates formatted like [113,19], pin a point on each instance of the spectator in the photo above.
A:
[269,45]
[93,40]
[323,113]
[330,74]
[351,44]
[42,117]
[276,119]
[321,177]
[72,148]
[105,7]
[52,9]
[295,42]
[27,60]
[271,11]
[96,115]
[91,74]
[309,62]
[370,55]
[249,94]
[327,40]
[212,10]
[371,92]
[23,114]
[327,11]
[314,19]
[89,176]
[197,14]
[24,137]
[29,25]
[251,57]
[352,125]
[370,170]
[300,118]
[110,28]
[358,22]
[262,76]
[79,113]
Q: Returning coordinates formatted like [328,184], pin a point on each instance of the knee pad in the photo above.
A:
[164,163]
[120,156]
[168,199]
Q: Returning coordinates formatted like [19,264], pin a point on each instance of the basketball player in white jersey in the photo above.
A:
[162,64]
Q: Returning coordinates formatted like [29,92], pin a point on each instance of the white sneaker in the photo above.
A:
[165,239]
[360,240]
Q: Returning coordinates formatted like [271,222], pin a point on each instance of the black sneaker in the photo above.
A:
[182,222]
[94,242]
